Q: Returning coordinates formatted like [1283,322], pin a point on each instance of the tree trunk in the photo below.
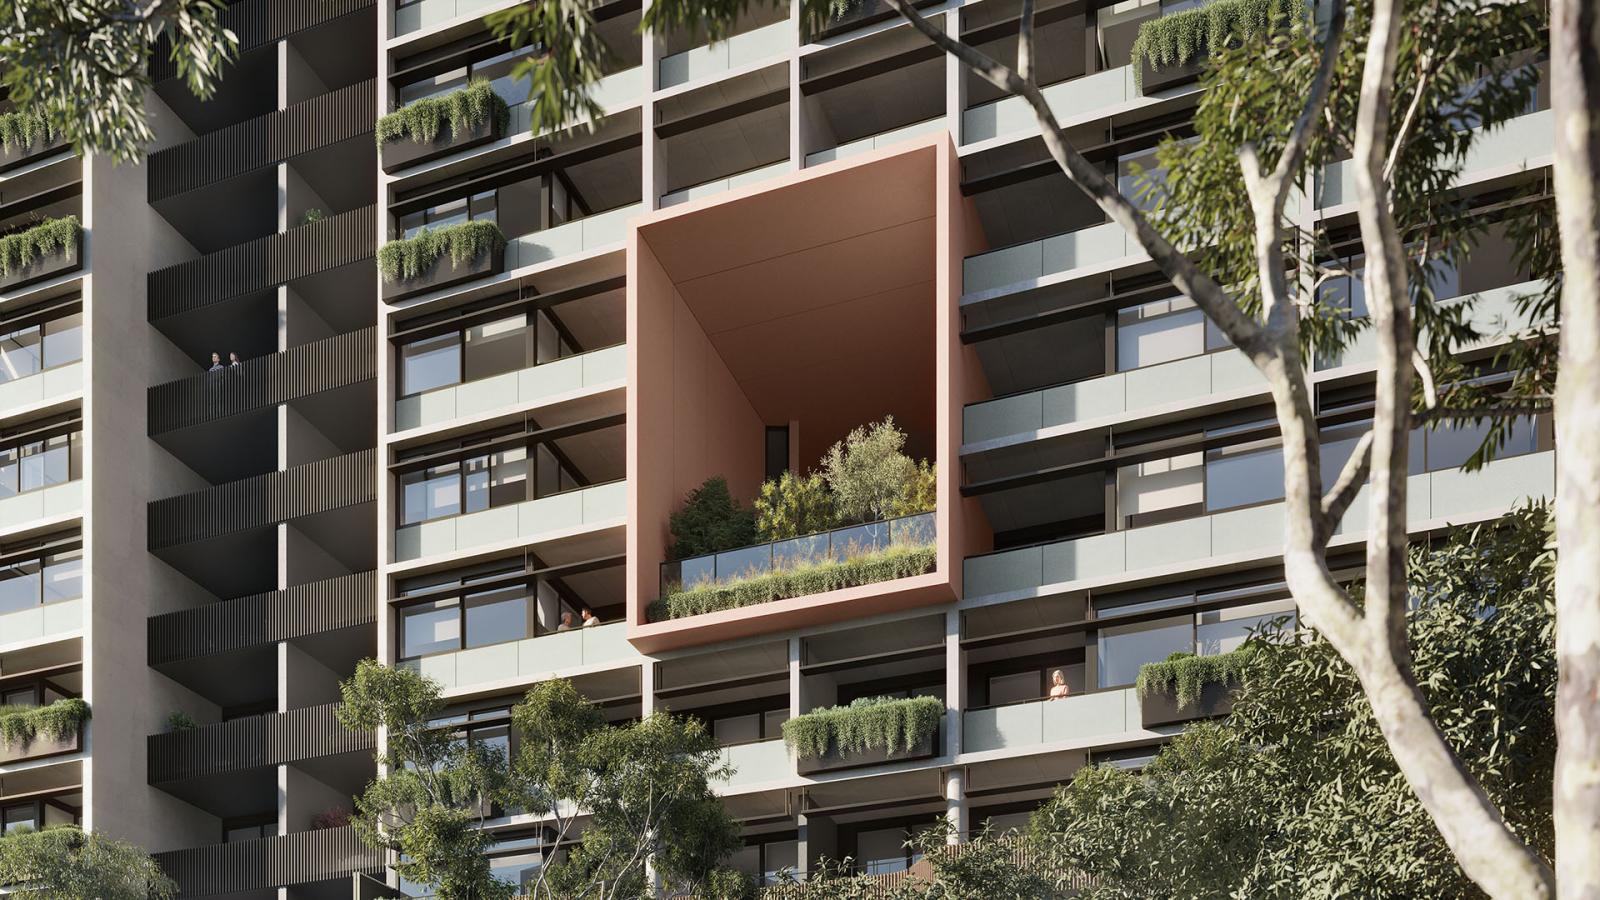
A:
[1575,89]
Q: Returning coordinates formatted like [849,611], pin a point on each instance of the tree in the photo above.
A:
[793,505]
[988,866]
[66,863]
[710,521]
[1296,795]
[618,802]
[81,66]
[1575,92]
[869,475]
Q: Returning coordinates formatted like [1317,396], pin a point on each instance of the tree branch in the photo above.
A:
[1352,478]
[1025,43]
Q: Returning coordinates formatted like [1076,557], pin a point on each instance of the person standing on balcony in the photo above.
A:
[1058,686]
[566,622]
[216,362]
[589,618]
[233,360]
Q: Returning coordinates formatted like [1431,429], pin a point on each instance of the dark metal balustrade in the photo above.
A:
[311,368]
[299,858]
[349,601]
[263,263]
[264,500]
[251,742]
[263,141]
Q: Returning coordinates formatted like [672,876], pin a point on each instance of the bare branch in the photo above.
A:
[1025,43]
[1430,393]
[1352,478]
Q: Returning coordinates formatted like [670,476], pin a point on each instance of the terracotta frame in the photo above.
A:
[962,527]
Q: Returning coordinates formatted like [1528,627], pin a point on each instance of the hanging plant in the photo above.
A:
[407,258]
[1190,674]
[1181,38]
[56,721]
[19,130]
[884,724]
[52,236]
[422,120]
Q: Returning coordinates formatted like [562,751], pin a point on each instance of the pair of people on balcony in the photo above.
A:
[589,618]
[216,362]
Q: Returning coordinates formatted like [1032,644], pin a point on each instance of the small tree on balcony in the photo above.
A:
[710,521]
[870,475]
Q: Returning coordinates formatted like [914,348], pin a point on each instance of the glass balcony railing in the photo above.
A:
[836,545]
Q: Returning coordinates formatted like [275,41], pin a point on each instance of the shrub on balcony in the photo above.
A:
[710,521]
[885,724]
[793,505]
[1184,37]
[56,721]
[870,476]
[900,561]
[18,130]
[407,258]
[422,120]
[1190,674]
[18,251]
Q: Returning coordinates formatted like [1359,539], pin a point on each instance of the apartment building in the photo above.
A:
[760,245]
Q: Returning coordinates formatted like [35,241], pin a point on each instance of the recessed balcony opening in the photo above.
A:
[759,31]
[870,93]
[725,135]
[249,88]
[335,54]
[741,695]
[757,356]
[1062,38]
[840,812]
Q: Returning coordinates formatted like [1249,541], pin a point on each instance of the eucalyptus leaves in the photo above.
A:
[1190,674]
[884,724]
[1183,37]
[422,120]
[898,561]
[52,236]
[408,258]
[56,721]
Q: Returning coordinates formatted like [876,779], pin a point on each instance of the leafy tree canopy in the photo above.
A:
[66,863]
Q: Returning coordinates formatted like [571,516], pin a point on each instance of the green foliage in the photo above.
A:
[178,720]
[710,521]
[871,479]
[791,506]
[56,721]
[572,58]
[408,258]
[1181,38]
[885,724]
[1296,794]
[18,130]
[644,789]
[19,250]
[422,120]
[898,561]
[83,66]
[987,867]
[1190,674]
[66,863]
[313,215]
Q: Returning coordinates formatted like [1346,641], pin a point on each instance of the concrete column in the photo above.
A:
[955,803]
[818,838]
[653,178]
[796,680]
[647,688]
[955,683]
[955,85]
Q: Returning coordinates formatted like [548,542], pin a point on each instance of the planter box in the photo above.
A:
[401,154]
[41,747]
[444,273]
[833,761]
[1161,707]
[45,267]
[1154,81]
[11,157]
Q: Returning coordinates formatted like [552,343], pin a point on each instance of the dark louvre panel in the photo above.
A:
[263,263]
[264,500]
[258,22]
[252,742]
[290,859]
[321,606]
[311,368]
[263,141]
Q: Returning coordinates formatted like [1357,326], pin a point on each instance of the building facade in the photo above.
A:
[761,245]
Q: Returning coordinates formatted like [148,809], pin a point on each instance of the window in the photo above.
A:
[480,206]
[497,616]
[20,586]
[430,628]
[430,363]
[20,354]
[41,464]
[1017,688]
[1449,445]
[497,347]
[1219,631]
[63,340]
[432,493]
[1172,487]
[472,485]
[1162,331]
[1123,649]
[26,582]
[1243,475]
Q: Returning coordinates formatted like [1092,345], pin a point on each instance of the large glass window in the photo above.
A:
[1243,475]
[1449,445]
[20,354]
[472,485]
[430,363]
[28,351]
[1220,631]
[1162,331]
[1122,650]
[482,350]
[432,493]
[429,628]
[497,616]
[41,464]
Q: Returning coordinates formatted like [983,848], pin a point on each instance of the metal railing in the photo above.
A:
[836,545]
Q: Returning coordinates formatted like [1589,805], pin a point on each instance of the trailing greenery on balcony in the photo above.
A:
[48,238]
[56,721]
[18,130]
[1181,38]
[803,580]
[1189,675]
[408,258]
[885,724]
[422,120]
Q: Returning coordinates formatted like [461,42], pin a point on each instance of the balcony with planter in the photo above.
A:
[39,252]
[434,127]
[433,260]
[24,138]
[29,733]
[869,731]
